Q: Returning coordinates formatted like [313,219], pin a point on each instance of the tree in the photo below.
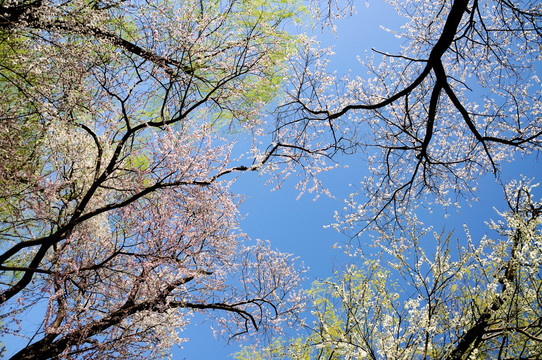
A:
[461,96]
[481,303]
[119,118]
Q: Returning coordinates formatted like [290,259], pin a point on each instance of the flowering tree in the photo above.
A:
[461,96]
[483,303]
[118,121]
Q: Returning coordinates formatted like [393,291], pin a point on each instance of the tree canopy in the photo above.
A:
[118,120]
[124,123]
